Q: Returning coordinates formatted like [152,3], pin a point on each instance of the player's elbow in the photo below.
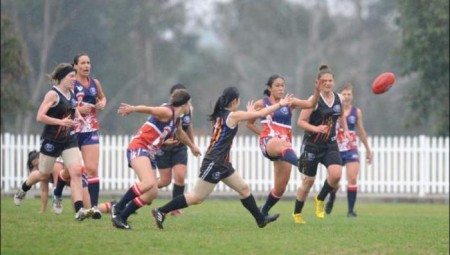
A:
[39,118]
[301,124]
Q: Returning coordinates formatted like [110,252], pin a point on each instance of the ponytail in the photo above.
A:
[228,95]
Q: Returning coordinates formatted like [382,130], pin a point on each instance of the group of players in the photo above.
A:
[330,122]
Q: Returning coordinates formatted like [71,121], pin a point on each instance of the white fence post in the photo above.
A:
[412,165]
[424,157]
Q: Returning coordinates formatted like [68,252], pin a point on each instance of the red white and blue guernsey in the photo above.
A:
[276,124]
[152,133]
[87,96]
[351,143]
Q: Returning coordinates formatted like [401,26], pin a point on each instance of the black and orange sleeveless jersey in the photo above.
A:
[65,107]
[324,114]
[221,140]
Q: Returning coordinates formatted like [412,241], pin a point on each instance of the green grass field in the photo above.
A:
[225,227]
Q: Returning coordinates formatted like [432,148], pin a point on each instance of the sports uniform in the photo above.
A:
[216,164]
[150,137]
[348,147]
[321,147]
[146,143]
[173,154]
[55,138]
[88,132]
[277,124]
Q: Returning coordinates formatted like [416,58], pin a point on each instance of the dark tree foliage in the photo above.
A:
[13,68]
[425,53]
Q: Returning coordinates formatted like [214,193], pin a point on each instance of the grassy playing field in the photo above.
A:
[225,227]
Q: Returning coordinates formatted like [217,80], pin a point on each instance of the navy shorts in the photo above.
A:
[312,155]
[213,172]
[169,158]
[349,156]
[54,149]
[134,153]
[88,138]
[262,145]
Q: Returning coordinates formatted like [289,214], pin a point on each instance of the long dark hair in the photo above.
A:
[32,155]
[269,83]
[228,95]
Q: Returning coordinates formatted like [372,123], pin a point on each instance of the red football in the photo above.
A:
[383,83]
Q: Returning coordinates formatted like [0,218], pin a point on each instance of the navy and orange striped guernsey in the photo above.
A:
[221,140]
[324,114]
[64,108]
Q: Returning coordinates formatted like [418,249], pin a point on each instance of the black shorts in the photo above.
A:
[311,156]
[213,172]
[169,158]
[54,149]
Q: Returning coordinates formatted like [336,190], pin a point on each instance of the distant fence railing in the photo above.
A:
[416,165]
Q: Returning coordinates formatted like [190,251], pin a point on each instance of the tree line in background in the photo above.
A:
[140,48]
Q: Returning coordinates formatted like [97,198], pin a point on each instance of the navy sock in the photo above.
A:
[77,205]
[351,198]
[288,155]
[270,202]
[129,195]
[59,187]
[25,187]
[177,190]
[177,203]
[324,191]
[129,209]
[94,189]
[332,196]
[250,203]
[298,206]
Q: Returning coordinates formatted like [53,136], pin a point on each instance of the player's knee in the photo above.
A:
[91,170]
[196,199]
[163,183]
[279,191]
[244,191]
[308,182]
[43,176]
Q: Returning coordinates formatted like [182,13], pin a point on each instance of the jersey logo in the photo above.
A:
[79,88]
[92,90]
[216,176]
[186,119]
[337,108]
[310,156]
[49,147]
[284,110]
[351,119]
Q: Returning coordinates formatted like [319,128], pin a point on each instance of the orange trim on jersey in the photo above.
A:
[217,134]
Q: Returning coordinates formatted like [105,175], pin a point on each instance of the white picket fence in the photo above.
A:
[402,165]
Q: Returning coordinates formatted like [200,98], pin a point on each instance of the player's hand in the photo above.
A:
[321,129]
[85,108]
[171,141]
[251,106]
[287,100]
[320,84]
[369,157]
[195,151]
[100,105]
[125,109]
[68,122]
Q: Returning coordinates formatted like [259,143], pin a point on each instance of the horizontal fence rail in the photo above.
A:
[416,165]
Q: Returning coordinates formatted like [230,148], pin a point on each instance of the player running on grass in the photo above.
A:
[58,111]
[349,149]
[216,165]
[164,121]
[319,145]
